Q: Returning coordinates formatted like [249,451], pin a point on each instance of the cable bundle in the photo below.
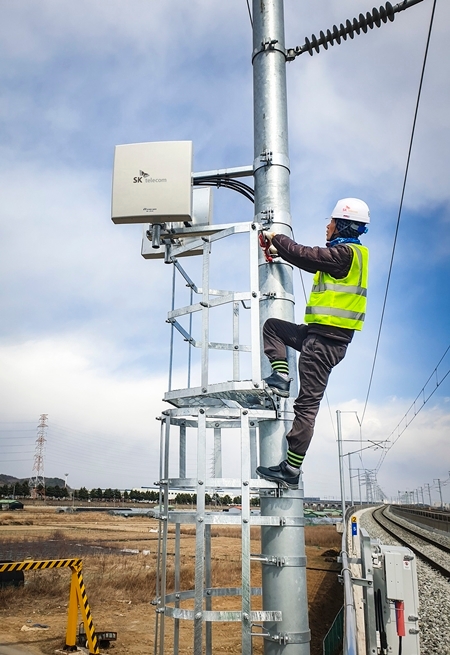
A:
[227,182]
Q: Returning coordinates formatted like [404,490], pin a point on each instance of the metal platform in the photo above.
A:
[245,393]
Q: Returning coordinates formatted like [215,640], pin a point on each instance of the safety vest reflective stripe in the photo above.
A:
[343,288]
[358,254]
[334,311]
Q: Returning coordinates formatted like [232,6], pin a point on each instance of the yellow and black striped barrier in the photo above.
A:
[77,599]
[32,565]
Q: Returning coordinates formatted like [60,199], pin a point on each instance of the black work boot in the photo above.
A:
[279,474]
[279,384]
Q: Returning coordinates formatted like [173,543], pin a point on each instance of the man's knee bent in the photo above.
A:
[271,325]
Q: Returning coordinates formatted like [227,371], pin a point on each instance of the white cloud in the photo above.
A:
[101,425]
[79,304]
[68,264]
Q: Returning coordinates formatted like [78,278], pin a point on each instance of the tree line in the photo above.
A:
[215,499]
[22,490]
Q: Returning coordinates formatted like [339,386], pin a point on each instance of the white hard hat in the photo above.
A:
[351,209]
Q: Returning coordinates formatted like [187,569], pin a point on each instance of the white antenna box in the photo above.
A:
[152,182]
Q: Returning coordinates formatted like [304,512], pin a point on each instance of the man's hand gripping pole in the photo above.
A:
[265,244]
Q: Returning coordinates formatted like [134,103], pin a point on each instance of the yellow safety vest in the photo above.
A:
[341,302]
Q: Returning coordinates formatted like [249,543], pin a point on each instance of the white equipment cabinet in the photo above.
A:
[391,598]
[396,598]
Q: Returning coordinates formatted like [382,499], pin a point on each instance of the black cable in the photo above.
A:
[224,181]
[400,207]
[228,183]
[241,187]
[379,622]
[223,178]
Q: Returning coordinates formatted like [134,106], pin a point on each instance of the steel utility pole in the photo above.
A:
[341,464]
[421,493]
[350,477]
[283,588]
[440,491]
[427,486]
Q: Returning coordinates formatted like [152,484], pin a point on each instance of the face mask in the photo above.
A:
[348,230]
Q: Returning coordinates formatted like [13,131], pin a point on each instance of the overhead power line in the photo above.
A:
[400,208]
[18,460]
[17,423]
[419,402]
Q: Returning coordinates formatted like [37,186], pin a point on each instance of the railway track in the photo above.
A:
[433,586]
[434,553]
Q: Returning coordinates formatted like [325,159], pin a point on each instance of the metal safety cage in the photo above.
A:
[203,301]
[193,609]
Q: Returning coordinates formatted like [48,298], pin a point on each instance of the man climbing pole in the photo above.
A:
[335,309]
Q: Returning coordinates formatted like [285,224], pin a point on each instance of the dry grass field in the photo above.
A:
[121,586]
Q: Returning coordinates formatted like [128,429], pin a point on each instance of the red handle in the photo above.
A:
[265,245]
[400,617]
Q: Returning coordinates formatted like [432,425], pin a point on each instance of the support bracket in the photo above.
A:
[290,637]
[269,158]
[268,45]
[279,561]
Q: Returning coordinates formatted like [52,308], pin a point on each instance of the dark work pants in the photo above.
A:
[318,356]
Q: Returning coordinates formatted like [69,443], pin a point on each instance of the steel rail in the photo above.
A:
[386,524]
[429,540]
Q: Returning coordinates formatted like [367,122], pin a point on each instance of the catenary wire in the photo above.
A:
[400,207]
[250,13]
[415,409]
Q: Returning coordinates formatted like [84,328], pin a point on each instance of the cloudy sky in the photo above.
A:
[83,332]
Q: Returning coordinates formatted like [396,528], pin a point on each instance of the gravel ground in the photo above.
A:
[434,598]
